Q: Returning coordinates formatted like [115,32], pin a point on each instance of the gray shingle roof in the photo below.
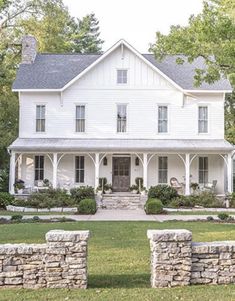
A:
[158,145]
[54,71]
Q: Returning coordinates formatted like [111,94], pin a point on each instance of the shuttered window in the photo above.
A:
[79,169]
[203,170]
[80,118]
[39,168]
[162,170]
[40,118]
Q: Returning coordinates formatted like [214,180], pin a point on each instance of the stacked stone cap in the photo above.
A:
[26,249]
[213,247]
[67,236]
[169,235]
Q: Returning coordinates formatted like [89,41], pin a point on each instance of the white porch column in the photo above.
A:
[54,184]
[187,174]
[97,169]
[145,170]
[230,173]
[12,172]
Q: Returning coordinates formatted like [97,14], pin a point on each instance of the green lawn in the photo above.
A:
[193,212]
[119,262]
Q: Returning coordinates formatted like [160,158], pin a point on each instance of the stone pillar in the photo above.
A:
[187,174]
[171,261]
[12,173]
[54,170]
[66,259]
[145,170]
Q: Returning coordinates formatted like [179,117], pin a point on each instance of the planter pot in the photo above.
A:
[109,191]
[143,192]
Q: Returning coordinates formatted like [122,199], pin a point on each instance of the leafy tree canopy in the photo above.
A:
[210,35]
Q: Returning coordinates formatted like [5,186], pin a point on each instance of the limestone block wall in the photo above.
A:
[176,261]
[60,263]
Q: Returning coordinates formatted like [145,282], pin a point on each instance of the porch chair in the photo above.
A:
[176,185]
[210,186]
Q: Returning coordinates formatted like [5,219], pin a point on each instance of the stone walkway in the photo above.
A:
[121,215]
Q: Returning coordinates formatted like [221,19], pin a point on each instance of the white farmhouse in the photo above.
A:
[119,115]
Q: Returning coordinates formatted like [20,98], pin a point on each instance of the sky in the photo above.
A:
[136,21]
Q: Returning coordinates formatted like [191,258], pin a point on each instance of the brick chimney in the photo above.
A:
[29,49]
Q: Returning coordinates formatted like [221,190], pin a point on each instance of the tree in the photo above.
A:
[210,35]
[85,38]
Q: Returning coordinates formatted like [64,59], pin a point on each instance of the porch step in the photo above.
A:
[123,201]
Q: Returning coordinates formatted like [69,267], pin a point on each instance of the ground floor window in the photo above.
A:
[79,169]
[203,170]
[39,168]
[162,170]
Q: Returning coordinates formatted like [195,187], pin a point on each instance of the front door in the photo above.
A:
[121,173]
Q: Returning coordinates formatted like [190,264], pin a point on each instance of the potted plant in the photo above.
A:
[139,183]
[46,183]
[99,191]
[107,188]
[19,186]
[143,191]
[134,189]
[194,186]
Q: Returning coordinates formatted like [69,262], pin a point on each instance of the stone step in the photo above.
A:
[122,201]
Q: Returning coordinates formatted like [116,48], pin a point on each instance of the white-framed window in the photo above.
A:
[79,169]
[121,76]
[162,119]
[40,118]
[203,119]
[162,170]
[203,170]
[39,168]
[121,118]
[80,118]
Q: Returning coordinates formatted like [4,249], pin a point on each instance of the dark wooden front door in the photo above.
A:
[121,173]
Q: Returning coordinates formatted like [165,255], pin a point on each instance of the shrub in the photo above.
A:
[154,206]
[223,216]
[164,193]
[36,219]
[87,206]
[210,218]
[81,193]
[4,180]
[207,199]
[5,199]
[17,218]
[183,201]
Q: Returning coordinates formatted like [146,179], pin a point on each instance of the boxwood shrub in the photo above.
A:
[164,193]
[154,206]
[5,199]
[81,193]
[87,206]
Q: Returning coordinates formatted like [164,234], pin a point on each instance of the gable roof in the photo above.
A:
[58,71]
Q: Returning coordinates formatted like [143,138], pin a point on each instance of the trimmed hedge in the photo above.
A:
[81,193]
[87,206]
[154,206]
[164,193]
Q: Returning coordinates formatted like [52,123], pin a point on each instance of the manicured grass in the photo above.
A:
[119,262]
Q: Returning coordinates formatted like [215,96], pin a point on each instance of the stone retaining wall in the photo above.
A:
[176,261]
[60,263]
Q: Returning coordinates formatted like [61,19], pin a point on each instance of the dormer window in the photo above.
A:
[122,76]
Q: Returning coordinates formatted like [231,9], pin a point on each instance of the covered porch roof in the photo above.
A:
[121,145]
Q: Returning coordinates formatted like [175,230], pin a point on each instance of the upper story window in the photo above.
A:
[203,170]
[122,76]
[162,119]
[202,119]
[162,170]
[40,118]
[39,168]
[80,118]
[121,118]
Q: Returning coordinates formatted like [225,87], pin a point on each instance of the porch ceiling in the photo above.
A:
[121,145]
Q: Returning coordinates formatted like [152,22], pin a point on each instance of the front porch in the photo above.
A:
[68,170]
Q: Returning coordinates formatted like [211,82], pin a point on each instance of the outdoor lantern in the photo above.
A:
[137,161]
[105,161]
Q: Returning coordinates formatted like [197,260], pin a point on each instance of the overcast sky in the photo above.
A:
[135,20]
